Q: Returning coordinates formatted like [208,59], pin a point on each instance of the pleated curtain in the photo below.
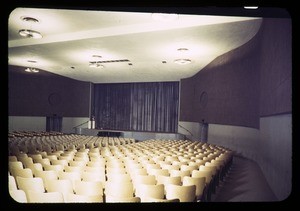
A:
[151,106]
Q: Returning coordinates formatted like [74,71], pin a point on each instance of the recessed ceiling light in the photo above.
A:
[182,61]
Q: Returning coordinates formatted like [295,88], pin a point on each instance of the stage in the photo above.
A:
[137,135]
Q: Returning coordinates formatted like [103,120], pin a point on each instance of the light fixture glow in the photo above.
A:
[30,33]
[164,17]
[251,7]
[182,61]
[31,70]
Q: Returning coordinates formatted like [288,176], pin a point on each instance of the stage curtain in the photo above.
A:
[151,106]
[54,123]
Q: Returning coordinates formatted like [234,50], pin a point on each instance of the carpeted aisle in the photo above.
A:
[245,182]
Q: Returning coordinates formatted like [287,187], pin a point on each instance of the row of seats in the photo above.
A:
[147,171]
[51,143]
[14,134]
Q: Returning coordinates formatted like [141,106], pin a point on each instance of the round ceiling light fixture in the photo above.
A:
[29,32]
[182,61]
[182,49]
[29,19]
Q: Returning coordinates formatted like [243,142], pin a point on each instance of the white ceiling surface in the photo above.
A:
[72,37]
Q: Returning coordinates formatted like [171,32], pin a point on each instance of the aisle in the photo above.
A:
[245,182]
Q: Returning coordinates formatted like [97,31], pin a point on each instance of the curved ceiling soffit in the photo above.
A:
[243,49]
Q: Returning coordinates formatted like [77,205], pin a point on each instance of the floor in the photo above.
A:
[244,182]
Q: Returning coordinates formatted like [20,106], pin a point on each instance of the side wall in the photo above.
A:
[45,94]
[33,97]
[36,123]
[259,123]
[226,91]
[270,147]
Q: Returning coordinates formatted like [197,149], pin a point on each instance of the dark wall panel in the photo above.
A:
[227,90]
[45,94]
[186,97]
[240,86]
[276,67]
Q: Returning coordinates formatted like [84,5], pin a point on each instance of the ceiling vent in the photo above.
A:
[113,61]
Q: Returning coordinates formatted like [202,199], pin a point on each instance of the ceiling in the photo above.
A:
[131,46]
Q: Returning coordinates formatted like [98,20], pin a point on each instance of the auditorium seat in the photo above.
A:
[175,180]
[89,188]
[12,185]
[18,196]
[94,169]
[76,198]
[119,199]
[151,200]
[35,167]
[169,166]
[47,148]
[97,159]
[14,165]
[144,179]
[103,163]
[59,162]
[26,161]
[51,157]
[150,191]
[42,161]
[214,177]
[182,192]
[199,182]
[47,175]
[22,155]
[119,189]
[157,172]
[118,177]
[56,168]
[49,197]
[115,170]
[93,176]
[63,186]
[72,176]
[84,158]
[35,156]
[79,169]
[189,167]
[12,158]
[34,184]
[77,163]
[27,172]
[181,173]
